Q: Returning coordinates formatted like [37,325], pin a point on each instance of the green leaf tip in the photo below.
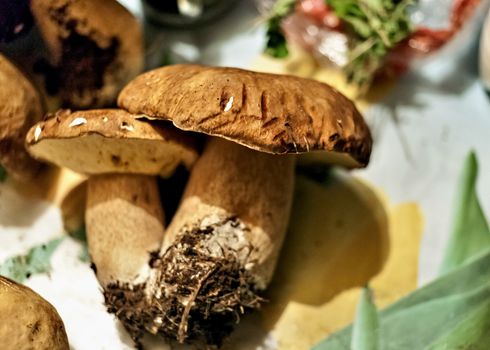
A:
[452,312]
[453,309]
[3,174]
[276,44]
[80,234]
[365,334]
[36,261]
[84,254]
[470,233]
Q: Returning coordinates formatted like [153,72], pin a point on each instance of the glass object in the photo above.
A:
[185,13]
[314,26]
[485,54]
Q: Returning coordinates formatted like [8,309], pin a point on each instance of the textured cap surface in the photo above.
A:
[266,112]
[27,321]
[110,141]
[20,107]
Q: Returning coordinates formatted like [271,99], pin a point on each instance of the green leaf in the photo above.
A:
[444,310]
[453,312]
[84,255]
[36,261]
[470,232]
[81,236]
[3,174]
[473,333]
[361,27]
[276,44]
[422,325]
[15,268]
[283,8]
[365,335]
[380,23]
[376,5]
[166,59]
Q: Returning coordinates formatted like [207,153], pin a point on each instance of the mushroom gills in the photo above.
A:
[222,246]
[111,155]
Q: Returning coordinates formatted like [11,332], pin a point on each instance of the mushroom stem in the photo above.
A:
[124,221]
[223,243]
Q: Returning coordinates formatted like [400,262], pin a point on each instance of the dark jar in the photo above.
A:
[185,13]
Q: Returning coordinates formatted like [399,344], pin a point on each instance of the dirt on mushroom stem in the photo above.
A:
[198,299]
[220,252]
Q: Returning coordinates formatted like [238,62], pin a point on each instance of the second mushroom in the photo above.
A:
[121,155]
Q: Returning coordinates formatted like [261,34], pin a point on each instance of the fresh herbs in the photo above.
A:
[3,174]
[453,312]
[276,45]
[36,261]
[374,27]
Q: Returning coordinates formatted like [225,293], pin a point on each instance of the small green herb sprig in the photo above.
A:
[374,28]
[36,261]
[276,45]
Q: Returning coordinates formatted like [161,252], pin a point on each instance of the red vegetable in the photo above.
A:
[422,42]
[320,13]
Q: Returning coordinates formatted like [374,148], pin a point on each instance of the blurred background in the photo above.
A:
[425,118]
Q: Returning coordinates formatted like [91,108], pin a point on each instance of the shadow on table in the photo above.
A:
[457,69]
[451,77]
[21,203]
[338,239]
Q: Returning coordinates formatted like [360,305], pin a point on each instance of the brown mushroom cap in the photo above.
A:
[27,321]
[266,112]
[110,141]
[20,108]
[96,47]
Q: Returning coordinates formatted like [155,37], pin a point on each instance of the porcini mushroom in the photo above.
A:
[95,46]
[221,248]
[27,321]
[121,154]
[20,108]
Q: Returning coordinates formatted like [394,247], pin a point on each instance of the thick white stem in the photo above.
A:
[125,223]
[232,181]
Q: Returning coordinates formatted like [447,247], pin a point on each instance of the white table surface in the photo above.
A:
[441,112]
